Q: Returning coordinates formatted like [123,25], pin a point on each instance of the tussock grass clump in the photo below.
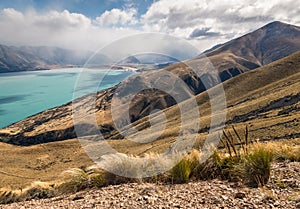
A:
[77,179]
[181,172]
[285,152]
[97,180]
[36,190]
[120,168]
[248,161]
[74,180]
[245,160]
[7,196]
[95,176]
[218,166]
[242,159]
[223,164]
[256,166]
[113,179]
[210,169]
[39,190]
[150,168]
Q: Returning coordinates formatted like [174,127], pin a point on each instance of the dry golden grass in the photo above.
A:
[19,166]
[253,166]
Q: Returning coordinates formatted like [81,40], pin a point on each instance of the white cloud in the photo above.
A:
[62,20]
[76,31]
[224,19]
[10,14]
[203,23]
[63,29]
[117,17]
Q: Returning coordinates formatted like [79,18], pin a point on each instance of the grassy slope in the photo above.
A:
[19,166]
[254,98]
[257,97]
[252,50]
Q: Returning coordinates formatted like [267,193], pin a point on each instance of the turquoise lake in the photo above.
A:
[23,94]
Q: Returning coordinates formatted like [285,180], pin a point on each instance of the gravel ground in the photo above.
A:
[283,191]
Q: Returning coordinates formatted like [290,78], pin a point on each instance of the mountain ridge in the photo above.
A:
[26,58]
[57,123]
[34,130]
[262,46]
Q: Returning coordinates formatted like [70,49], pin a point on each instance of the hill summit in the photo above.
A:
[272,42]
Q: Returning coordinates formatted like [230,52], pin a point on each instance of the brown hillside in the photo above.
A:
[265,94]
[262,46]
[266,99]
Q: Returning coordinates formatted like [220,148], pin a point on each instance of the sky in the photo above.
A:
[92,24]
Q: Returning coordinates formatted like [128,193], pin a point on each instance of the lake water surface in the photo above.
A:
[26,93]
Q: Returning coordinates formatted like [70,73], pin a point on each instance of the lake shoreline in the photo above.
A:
[24,94]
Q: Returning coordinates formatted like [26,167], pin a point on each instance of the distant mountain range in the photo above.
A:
[263,46]
[26,58]
[145,62]
[14,59]
[130,60]
[267,53]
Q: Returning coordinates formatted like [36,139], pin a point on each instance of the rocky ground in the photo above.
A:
[283,191]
